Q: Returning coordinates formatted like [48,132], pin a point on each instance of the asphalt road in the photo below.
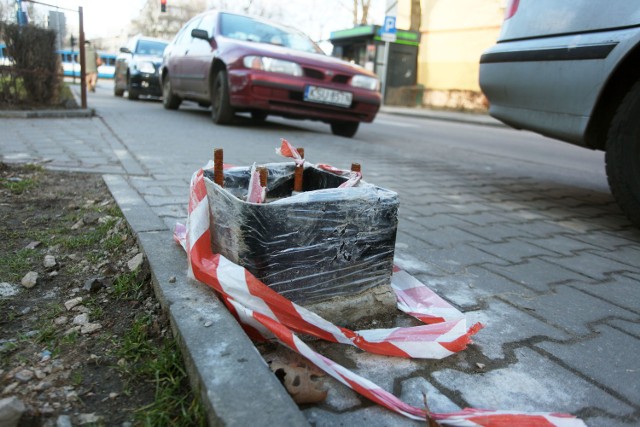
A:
[515,153]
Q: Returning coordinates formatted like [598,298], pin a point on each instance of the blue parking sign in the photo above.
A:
[388,32]
[389,25]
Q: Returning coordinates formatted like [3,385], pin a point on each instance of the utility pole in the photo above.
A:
[83,81]
[388,34]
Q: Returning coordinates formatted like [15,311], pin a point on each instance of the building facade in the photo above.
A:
[454,33]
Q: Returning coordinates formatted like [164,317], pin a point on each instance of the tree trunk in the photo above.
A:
[365,12]
[416,15]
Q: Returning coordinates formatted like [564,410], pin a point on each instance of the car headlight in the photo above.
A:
[272,65]
[146,67]
[365,82]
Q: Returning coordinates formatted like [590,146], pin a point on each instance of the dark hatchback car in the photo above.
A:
[137,68]
[237,63]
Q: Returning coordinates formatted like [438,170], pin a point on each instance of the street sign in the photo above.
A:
[388,33]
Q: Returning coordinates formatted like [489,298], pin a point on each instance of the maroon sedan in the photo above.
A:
[237,63]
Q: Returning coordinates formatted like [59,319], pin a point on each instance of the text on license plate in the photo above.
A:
[328,96]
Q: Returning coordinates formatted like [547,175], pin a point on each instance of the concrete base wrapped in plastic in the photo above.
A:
[325,242]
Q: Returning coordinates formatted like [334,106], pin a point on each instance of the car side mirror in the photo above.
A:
[198,33]
[125,50]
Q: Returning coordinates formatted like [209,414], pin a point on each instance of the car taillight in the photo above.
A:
[511,8]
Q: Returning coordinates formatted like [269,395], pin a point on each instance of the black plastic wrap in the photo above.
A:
[318,244]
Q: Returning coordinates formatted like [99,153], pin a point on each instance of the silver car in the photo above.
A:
[570,70]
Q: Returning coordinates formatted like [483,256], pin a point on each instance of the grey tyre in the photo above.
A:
[221,111]
[170,101]
[258,116]
[346,129]
[132,94]
[623,155]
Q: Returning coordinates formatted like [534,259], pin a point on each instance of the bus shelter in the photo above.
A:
[364,46]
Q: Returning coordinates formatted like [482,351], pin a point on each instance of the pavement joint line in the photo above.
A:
[129,162]
[222,363]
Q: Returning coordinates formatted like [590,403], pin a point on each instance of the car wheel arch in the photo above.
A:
[616,87]
[216,66]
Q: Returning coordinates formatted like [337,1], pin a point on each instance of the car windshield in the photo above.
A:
[249,29]
[148,47]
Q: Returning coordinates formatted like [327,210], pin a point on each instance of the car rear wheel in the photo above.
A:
[346,129]
[221,111]
[170,101]
[131,93]
[623,155]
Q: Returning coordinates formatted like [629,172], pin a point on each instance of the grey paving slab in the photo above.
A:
[571,310]
[627,327]
[470,289]
[414,391]
[512,250]
[592,265]
[373,416]
[629,255]
[619,290]
[608,240]
[537,274]
[565,245]
[506,326]
[499,232]
[444,237]
[139,215]
[533,383]
[452,261]
[405,259]
[609,358]
[432,222]
[613,421]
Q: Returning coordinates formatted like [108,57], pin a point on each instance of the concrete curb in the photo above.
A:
[235,385]
[47,114]
[450,116]
[71,113]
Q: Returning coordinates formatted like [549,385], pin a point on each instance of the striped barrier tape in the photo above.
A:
[267,315]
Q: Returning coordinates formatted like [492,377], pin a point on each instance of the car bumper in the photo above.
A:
[284,96]
[146,84]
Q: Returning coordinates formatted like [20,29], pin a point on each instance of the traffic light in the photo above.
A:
[163,5]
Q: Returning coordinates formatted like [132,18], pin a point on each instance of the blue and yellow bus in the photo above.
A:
[70,60]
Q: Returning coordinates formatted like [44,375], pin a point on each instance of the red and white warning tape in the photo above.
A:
[267,314]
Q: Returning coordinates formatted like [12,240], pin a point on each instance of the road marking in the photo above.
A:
[390,123]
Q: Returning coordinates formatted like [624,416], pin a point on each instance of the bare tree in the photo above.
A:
[360,11]
[153,23]
[262,8]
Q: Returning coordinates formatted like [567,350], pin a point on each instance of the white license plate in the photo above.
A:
[328,96]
